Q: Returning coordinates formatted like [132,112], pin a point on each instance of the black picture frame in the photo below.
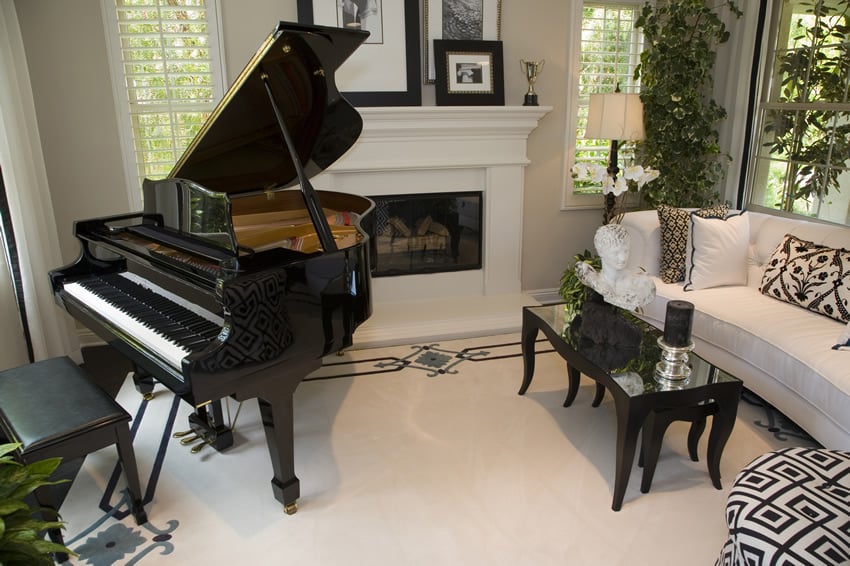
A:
[469,73]
[458,19]
[379,59]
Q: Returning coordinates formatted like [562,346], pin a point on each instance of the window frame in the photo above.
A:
[119,88]
[777,20]
[571,200]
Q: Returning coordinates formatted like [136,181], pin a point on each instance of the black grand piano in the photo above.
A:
[238,277]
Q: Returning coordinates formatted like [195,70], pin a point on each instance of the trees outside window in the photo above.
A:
[801,159]
[167,78]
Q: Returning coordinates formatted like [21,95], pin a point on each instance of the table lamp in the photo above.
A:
[616,116]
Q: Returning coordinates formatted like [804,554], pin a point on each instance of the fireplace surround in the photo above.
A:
[436,150]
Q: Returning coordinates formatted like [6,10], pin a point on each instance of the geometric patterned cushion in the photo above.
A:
[790,506]
[809,275]
[675,224]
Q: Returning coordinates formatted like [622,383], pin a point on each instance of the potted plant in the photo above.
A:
[572,290]
[21,534]
[676,72]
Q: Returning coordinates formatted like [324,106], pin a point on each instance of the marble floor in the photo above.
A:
[416,454]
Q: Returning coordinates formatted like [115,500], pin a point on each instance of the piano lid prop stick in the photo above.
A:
[311,200]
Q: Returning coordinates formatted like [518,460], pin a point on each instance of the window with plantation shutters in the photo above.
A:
[168,77]
[604,52]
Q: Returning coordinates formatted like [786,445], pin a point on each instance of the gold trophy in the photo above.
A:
[532,70]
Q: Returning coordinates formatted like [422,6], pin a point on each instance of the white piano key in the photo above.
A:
[149,338]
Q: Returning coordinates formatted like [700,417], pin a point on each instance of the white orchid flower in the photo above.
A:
[633,173]
[647,176]
[620,186]
[651,175]
[599,174]
[580,170]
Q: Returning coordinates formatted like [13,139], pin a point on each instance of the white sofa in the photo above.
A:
[782,352]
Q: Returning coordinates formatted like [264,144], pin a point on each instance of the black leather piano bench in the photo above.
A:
[54,410]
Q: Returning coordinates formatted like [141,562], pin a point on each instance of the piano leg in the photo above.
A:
[278,423]
[143,381]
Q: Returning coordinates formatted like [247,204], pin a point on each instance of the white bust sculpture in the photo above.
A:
[617,285]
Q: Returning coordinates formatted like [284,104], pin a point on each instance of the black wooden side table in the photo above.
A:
[640,401]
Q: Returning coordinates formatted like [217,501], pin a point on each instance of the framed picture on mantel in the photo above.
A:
[385,70]
[469,73]
[471,20]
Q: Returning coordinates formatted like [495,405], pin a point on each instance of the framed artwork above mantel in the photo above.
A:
[385,70]
[458,20]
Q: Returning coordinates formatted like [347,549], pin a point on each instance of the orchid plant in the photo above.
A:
[613,187]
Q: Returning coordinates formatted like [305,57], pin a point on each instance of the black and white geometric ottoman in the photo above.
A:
[791,506]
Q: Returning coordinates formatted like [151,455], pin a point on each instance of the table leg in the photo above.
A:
[697,428]
[600,394]
[654,428]
[529,335]
[727,399]
[574,377]
[629,421]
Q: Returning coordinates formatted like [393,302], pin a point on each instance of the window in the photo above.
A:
[802,132]
[604,53]
[167,76]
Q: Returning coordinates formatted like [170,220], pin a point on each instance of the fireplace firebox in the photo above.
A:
[427,233]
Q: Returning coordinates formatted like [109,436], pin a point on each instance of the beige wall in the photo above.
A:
[66,54]
[69,71]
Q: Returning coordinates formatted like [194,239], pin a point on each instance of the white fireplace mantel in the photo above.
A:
[433,149]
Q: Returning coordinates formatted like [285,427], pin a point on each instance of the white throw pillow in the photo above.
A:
[717,252]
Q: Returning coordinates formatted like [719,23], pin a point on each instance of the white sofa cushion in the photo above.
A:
[717,251]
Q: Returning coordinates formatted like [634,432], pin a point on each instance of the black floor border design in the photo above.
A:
[404,364]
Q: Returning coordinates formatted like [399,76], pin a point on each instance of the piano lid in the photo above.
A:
[240,148]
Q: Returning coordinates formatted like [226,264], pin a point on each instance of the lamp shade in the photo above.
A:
[615,116]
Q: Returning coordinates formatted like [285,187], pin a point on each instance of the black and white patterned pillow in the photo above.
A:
[675,224]
[809,275]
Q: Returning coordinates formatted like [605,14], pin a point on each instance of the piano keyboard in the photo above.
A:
[150,315]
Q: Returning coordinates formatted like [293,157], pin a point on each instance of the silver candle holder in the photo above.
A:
[673,366]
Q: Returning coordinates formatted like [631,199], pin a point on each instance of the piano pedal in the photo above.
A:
[181,434]
[199,447]
[189,440]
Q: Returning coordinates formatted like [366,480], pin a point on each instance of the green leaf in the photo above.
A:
[21,534]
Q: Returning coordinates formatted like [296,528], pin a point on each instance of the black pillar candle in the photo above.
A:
[678,323]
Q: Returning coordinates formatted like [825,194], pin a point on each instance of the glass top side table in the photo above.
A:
[641,401]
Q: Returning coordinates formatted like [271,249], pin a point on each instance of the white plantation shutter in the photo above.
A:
[610,52]
[168,74]
[605,50]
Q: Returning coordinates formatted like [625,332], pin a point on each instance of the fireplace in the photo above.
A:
[427,233]
[440,152]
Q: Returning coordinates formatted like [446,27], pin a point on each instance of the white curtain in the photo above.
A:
[29,197]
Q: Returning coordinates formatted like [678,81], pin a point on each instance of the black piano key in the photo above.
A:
[168,319]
